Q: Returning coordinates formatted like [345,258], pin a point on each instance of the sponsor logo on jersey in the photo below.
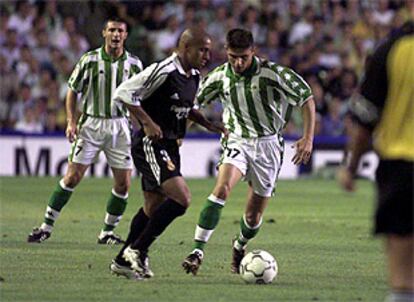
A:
[180,112]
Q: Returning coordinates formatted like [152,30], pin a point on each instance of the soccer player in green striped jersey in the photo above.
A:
[257,98]
[102,126]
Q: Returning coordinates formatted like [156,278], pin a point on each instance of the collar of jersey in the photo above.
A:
[107,57]
[179,67]
[253,69]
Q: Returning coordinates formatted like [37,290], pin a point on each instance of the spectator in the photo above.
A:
[144,49]
[166,39]
[348,84]
[364,27]
[329,57]
[270,50]
[22,66]
[52,17]
[175,8]
[156,19]
[382,15]
[218,27]
[332,123]
[30,122]
[77,47]
[41,87]
[41,49]
[249,21]
[204,11]
[34,35]
[65,68]
[9,85]
[39,24]
[4,20]
[10,48]
[55,57]
[319,30]
[24,100]
[32,76]
[51,126]
[189,16]
[303,28]
[62,39]
[22,19]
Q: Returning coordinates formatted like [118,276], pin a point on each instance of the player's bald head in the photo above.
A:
[194,48]
[191,37]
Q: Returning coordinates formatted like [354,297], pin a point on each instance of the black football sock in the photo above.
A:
[138,224]
[165,214]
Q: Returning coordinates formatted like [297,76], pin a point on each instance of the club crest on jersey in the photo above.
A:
[180,112]
[170,165]
[167,159]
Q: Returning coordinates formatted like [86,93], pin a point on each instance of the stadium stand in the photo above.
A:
[327,41]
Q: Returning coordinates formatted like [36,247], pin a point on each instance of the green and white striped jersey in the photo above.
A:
[258,102]
[96,76]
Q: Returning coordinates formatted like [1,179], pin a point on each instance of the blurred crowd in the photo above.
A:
[326,41]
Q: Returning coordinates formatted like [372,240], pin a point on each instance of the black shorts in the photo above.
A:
[156,161]
[394,214]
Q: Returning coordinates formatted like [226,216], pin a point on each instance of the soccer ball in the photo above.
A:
[258,267]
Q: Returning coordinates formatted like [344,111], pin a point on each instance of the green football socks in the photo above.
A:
[115,208]
[208,220]
[57,201]
[247,233]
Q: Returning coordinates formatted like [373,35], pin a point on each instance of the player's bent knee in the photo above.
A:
[253,219]
[122,185]
[222,191]
[73,179]
[185,200]
[122,188]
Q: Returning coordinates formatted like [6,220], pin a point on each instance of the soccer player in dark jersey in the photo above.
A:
[384,112]
[161,98]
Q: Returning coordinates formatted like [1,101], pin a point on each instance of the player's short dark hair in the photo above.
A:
[115,19]
[239,38]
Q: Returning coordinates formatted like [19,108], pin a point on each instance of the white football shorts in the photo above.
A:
[112,136]
[259,160]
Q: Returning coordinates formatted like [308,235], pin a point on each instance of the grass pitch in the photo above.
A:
[319,236]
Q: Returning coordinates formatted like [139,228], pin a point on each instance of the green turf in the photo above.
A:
[319,236]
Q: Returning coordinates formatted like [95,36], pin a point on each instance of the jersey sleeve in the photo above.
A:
[210,89]
[365,107]
[297,91]
[136,68]
[140,86]
[76,79]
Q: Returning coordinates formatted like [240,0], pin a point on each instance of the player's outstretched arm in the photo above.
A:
[304,145]
[197,117]
[71,116]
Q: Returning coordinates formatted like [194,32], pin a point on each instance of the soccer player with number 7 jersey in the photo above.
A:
[102,126]
[257,98]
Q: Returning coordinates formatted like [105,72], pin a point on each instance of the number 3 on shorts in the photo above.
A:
[232,152]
